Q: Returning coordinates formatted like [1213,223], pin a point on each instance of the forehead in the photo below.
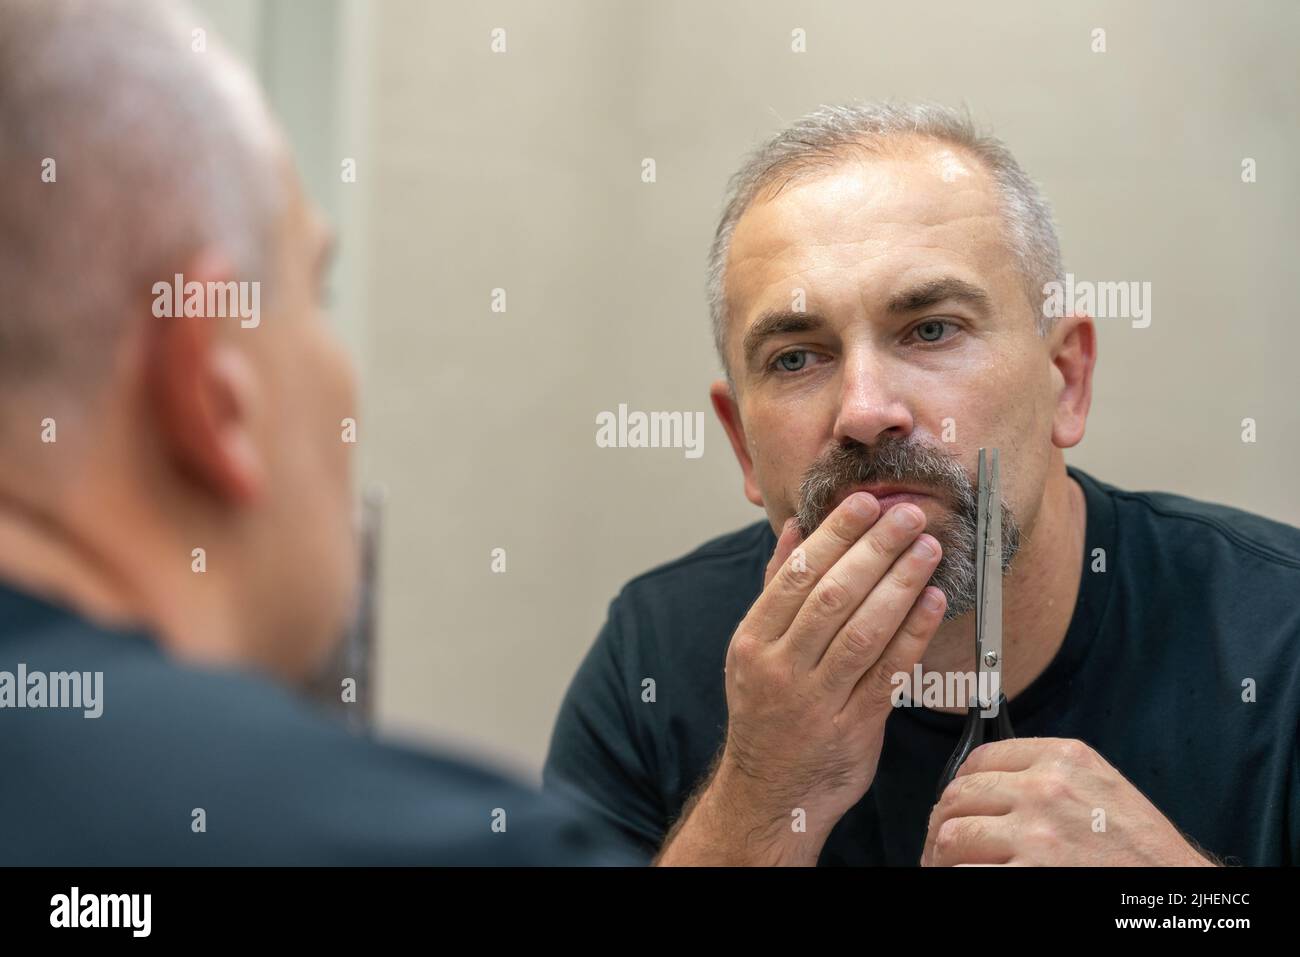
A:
[866,222]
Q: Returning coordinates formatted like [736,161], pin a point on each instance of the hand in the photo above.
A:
[1049,801]
[808,685]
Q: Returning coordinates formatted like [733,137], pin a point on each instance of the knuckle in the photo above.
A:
[882,544]
[1043,836]
[946,838]
[842,726]
[842,528]
[915,626]
[907,577]
[797,574]
[830,597]
[952,834]
[744,649]
[951,795]
[880,683]
[859,638]
[965,786]
[1051,788]
[1073,751]
[752,669]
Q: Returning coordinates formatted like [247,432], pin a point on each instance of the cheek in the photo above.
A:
[1008,400]
[784,442]
[1027,404]
[332,389]
[1017,418]
[333,394]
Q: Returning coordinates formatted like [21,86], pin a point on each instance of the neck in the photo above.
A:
[1038,595]
[105,558]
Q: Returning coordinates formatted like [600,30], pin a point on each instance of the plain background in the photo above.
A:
[522,171]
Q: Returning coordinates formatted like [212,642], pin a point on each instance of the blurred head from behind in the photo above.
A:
[876,283]
[168,380]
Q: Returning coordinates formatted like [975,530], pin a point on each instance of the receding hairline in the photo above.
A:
[868,149]
[830,136]
[799,171]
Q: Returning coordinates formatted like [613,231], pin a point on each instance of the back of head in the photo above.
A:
[130,142]
[135,152]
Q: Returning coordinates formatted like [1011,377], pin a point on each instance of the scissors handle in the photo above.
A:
[979,730]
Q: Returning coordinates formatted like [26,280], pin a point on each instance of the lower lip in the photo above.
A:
[898,498]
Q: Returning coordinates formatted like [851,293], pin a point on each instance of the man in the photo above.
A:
[877,284]
[175,518]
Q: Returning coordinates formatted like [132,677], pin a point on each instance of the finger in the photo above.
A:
[863,640]
[986,794]
[903,652]
[785,545]
[843,588]
[1014,754]
[937,816]
[874,690]
[771,615]
[970,840]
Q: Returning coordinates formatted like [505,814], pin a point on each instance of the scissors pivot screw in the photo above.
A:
[990,658]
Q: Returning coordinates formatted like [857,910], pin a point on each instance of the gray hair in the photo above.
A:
[820,141]
[156,155]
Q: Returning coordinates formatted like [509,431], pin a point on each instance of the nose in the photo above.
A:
[871,405]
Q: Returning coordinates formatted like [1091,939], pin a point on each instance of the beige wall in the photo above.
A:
[522,171]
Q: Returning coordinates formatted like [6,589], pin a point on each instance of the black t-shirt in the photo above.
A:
[1198,604]
[185,766]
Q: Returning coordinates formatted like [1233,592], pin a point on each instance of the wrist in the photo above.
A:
[757,829]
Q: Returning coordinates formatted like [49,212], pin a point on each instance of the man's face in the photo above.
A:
[307,542]
[879,335]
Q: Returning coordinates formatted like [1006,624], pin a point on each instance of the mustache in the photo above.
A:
[912,463]
[897,461]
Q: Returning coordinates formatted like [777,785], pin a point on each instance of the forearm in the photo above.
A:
[717,828]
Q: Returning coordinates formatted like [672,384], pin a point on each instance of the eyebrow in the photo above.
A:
[771,324]
[935,291]
[913,299]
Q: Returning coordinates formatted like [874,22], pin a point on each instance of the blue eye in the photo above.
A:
[935,326]
[792,361]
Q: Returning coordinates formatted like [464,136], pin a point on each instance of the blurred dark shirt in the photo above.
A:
[278,782]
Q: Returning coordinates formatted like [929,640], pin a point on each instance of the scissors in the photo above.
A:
[987,717]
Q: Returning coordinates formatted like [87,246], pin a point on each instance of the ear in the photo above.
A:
[1074,354]
[728,412]
[202,389]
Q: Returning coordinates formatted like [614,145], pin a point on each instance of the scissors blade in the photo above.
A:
[988,584]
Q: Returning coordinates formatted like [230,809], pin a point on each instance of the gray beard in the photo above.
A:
[955,574]
[912,464]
